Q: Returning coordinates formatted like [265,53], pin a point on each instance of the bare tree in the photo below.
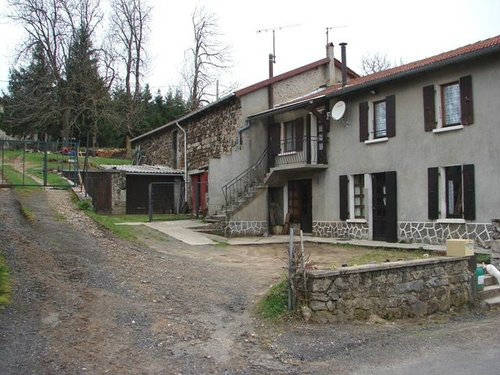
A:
[375,62]
[130,21]
[206,60]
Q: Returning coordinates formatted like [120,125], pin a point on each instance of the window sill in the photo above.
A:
[376,140]
[287,153]
[450,221]
[448,129]
[356,221]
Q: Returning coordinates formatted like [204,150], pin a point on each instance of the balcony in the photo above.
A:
[298,154]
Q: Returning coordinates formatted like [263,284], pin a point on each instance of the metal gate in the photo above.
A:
[38,163]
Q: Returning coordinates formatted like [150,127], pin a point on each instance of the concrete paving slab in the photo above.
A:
[182,231]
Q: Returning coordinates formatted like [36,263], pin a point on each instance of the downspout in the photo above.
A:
[185,161]
[248,124]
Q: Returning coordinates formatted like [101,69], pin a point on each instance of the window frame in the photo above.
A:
[351,198]
[442,106]
[446,180]
[374,130]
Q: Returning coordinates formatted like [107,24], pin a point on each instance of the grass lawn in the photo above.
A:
[384,255]
[5,289]
[14,177]
[273,305]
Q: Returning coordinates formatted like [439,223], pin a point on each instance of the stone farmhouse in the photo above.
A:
[407,154]
[218,130]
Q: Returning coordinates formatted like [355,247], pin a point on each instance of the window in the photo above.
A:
[379,119]
[453,186]
[450,97]
[359,201]
[289,137]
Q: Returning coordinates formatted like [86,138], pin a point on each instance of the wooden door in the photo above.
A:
[384,217]
[300,203]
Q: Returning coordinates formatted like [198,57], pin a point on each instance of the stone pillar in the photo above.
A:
[495,242]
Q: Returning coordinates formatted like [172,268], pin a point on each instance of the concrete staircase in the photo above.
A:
[490,295]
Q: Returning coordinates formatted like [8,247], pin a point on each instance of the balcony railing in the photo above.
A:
[299,150]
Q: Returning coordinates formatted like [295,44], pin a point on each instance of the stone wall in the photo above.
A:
[341,229]
[430,233]
[209,135]
[437,233]
[392,290]
[245,228]
[118,193]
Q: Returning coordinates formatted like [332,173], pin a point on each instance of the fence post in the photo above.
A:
[291,296]
[45,164]
[24,161]
[3,159]
[150,202]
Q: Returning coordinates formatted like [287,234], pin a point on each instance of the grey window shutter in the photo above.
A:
[433,194]
[363,121]
[299,134]
[469,192]
[466,100]
[429,108]
[391,207]
[344,197]
[390,115]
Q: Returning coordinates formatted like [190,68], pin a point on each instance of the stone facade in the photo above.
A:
[209,135]
[437,233]
[245,228]
[392,290]
[118,193]
[341,229]
[430,233]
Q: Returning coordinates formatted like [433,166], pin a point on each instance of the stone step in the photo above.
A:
[490,280]
[493,302]
[489,292]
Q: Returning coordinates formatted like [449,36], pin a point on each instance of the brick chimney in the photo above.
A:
[331,64]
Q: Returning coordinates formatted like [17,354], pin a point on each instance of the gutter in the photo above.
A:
[185,161]
[422,69]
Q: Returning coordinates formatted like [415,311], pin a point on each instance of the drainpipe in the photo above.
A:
[185,162]
[241,130]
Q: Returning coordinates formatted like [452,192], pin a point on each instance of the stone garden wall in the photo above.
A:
[391,290]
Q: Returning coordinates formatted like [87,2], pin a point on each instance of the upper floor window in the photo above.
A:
[379,119]
[289,136]
[450,97]
[448,105]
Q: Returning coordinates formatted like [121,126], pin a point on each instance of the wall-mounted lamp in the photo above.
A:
[373,92]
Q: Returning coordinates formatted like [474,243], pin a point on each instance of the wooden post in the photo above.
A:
[24,161]
[291,296]
[150,202]
[302,255]
[45,164]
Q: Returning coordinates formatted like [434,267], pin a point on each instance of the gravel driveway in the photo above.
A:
[87,303]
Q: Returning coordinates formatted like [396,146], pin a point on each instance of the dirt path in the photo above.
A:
[86,303]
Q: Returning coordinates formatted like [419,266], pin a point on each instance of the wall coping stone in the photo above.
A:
[319,274]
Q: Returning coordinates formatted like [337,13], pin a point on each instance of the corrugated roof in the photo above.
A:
[144,169]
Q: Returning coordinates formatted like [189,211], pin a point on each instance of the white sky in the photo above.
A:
[403,29]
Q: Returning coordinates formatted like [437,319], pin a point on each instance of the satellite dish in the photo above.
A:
[338,110]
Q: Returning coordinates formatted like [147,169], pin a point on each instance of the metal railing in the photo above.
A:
[241,186]
[303,150]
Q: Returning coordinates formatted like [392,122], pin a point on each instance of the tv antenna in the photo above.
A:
[331,28]
[274,29]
